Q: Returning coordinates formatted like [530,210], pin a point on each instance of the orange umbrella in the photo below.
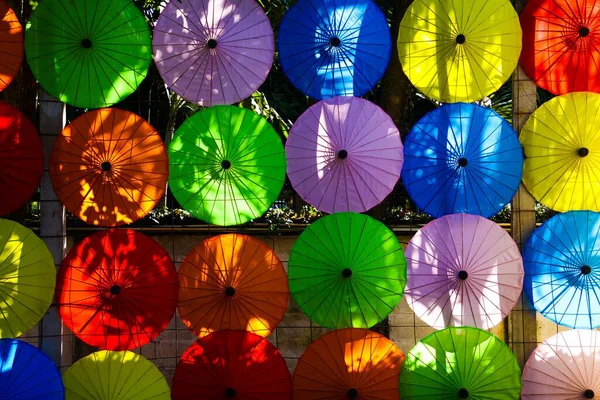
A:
[109,167]
[349,364]
[11,45]
[232,282]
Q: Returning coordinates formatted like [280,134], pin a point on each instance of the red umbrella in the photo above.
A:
[117,289]
[21,159]
[232,364]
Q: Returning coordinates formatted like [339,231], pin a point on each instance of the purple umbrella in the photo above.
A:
[344,154]
[462,270]
[213,51]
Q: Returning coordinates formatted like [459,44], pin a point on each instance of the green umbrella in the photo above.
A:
[227,165]
[347,270]
[460,363]
[89,54]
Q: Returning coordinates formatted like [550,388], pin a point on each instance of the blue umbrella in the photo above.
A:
[27,373]
[333,48]
[462,158]
[562,269]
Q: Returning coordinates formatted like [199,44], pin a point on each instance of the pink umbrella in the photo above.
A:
[463,270]
[213,51]
[565,366]
[344,154]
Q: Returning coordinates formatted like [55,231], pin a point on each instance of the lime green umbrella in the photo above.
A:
[227,165]
[89,54]
[460,363]
[347,270]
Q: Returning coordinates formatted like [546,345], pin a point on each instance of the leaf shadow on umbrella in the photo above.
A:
[11,46]
[109,167]
[105,297]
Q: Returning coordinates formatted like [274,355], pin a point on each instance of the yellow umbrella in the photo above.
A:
[27,279]
[562,149]
[115,375]
[459,50]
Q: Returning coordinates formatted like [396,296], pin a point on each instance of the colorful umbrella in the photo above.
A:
[88,54]
[562,265]
[109,167]
[563,152]
[27,279]
[560,44]
[459,50]
[232,282]
[227,165]
[564,367]
[460,363]
[117,289]
[463,270]
[213,51]
[344,154]
[462,158]
[347,270]
[11,45]
[115,375]
[21,159]
[333,48]
[349,364]
[232,364]
[26,373]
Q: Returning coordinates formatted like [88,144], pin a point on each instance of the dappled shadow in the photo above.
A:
[11,45]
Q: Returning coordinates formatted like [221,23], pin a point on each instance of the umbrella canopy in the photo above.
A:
[27,279]
[347,270]
[227,165]
[459,50]
[232,282]
[117,289]
[26,373]
[344,154]
[460,363]
[560,44]
[562,265]
[333,48]
[349,364]
[11,45]
[115,375]
[109,167]
[463,270]
[462,158]
[21,159]
[213,51]
[562,152]
[564,366]
[232,364]
[88,55]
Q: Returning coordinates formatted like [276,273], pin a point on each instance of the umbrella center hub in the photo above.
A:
[589,394]
[226,164]
[586,269]
[342,154]
[347,273]
[335,42]
[116,289]
[106,166]
[353,393]
[583,152]
[229,291]
[460,38]
[463,162]
[463,393]
[211,44]
[463,275]
[230,392]
[583,31]
[86,43]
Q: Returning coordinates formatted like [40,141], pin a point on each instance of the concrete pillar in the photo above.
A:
[52,119]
